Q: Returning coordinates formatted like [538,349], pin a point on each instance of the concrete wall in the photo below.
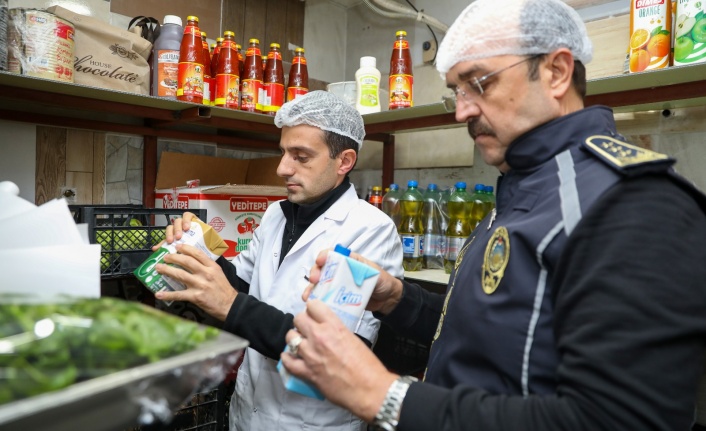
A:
[18,153]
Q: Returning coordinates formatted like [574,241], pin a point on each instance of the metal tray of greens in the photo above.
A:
[135,396]
[103,365]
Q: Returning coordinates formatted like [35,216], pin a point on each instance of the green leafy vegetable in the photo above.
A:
[45,347]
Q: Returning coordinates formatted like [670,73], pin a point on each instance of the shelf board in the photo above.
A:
[670,88]
[42,101]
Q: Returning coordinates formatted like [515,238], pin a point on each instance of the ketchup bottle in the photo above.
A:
[298,76]
[241,59]
[264,63]
[252,79]
[274,81]
[214,55]
[227,73]
[209,80]
[191,63]
[401,79]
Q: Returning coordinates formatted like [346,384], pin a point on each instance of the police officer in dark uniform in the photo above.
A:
[579,303]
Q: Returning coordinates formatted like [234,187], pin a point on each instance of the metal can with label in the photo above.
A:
[40,44]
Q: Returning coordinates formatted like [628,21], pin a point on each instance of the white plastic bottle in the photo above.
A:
[367,80]
[165,58]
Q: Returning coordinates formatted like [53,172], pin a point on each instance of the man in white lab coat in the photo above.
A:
[258,294]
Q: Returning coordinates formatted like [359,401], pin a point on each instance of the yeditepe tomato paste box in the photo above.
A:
[235,193]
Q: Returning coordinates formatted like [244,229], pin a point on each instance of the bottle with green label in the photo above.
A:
[367,80]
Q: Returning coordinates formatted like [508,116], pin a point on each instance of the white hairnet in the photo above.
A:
[323,110]
[488,28]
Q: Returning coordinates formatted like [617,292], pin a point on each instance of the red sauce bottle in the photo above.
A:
[252,79]
[401,79]
[214,55]
[209,80]
[298,84]
[274,81]
[227,73]
[191,63]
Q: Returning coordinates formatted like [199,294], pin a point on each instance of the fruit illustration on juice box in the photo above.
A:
[690,37]
[649,48]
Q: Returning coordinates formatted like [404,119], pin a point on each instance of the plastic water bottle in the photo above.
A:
[489,199]
[411,228]
[390,203]
[478,206]
[434,239]
[459,224]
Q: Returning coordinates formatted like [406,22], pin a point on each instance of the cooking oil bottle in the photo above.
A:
[459,228]
[411,229]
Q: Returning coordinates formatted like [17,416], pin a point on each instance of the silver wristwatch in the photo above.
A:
[389,413]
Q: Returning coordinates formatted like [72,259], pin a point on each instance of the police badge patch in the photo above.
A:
[497,254]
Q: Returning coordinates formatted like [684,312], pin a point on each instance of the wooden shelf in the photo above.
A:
[671,88]
[42,101]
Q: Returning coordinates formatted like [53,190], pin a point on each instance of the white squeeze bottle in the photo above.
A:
[165,58]
[367,80]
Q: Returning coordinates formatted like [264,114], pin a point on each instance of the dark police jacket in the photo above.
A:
[498,323]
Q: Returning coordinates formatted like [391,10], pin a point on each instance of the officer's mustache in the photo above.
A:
[475,128]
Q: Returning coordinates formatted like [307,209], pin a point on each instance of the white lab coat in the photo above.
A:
[260,401]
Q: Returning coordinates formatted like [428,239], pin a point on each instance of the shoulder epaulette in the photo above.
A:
[625,158]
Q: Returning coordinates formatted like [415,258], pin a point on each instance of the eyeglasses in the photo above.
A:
[468,90]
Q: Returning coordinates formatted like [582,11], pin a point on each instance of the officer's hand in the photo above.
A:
[388,289]
[175,231]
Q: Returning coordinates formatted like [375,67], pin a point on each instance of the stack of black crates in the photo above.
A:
[126,234]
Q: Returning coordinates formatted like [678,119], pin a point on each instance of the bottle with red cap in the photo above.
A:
[191,63]
[227,73]
[298,84]
[273,82]
[252,79]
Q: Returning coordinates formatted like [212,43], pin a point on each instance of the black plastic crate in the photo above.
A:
[205,411]
[126,233]
[400,354]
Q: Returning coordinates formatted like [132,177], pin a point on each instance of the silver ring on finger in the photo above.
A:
[294,344]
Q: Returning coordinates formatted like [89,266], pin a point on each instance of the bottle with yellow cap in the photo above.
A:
[401,78]
[274,81]
[227,73]
[191,63]
[298,84]
[251,79]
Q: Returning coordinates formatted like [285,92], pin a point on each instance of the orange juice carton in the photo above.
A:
[345,286]
[690,32]
[200,235]
[650,34]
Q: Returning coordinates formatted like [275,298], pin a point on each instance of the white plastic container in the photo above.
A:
[367,80]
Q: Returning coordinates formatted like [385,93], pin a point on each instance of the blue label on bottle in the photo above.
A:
[411,245]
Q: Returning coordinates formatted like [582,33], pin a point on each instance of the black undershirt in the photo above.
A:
[263,325]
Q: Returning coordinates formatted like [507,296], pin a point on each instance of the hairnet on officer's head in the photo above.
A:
[323,110]
[488,28]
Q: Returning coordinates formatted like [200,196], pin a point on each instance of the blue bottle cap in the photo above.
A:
[394,186]
[488,189]
[431,187]
[411,183]
[341,249]
[479,187]
[460,185]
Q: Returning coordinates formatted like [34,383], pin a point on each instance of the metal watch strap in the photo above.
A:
[388,415]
